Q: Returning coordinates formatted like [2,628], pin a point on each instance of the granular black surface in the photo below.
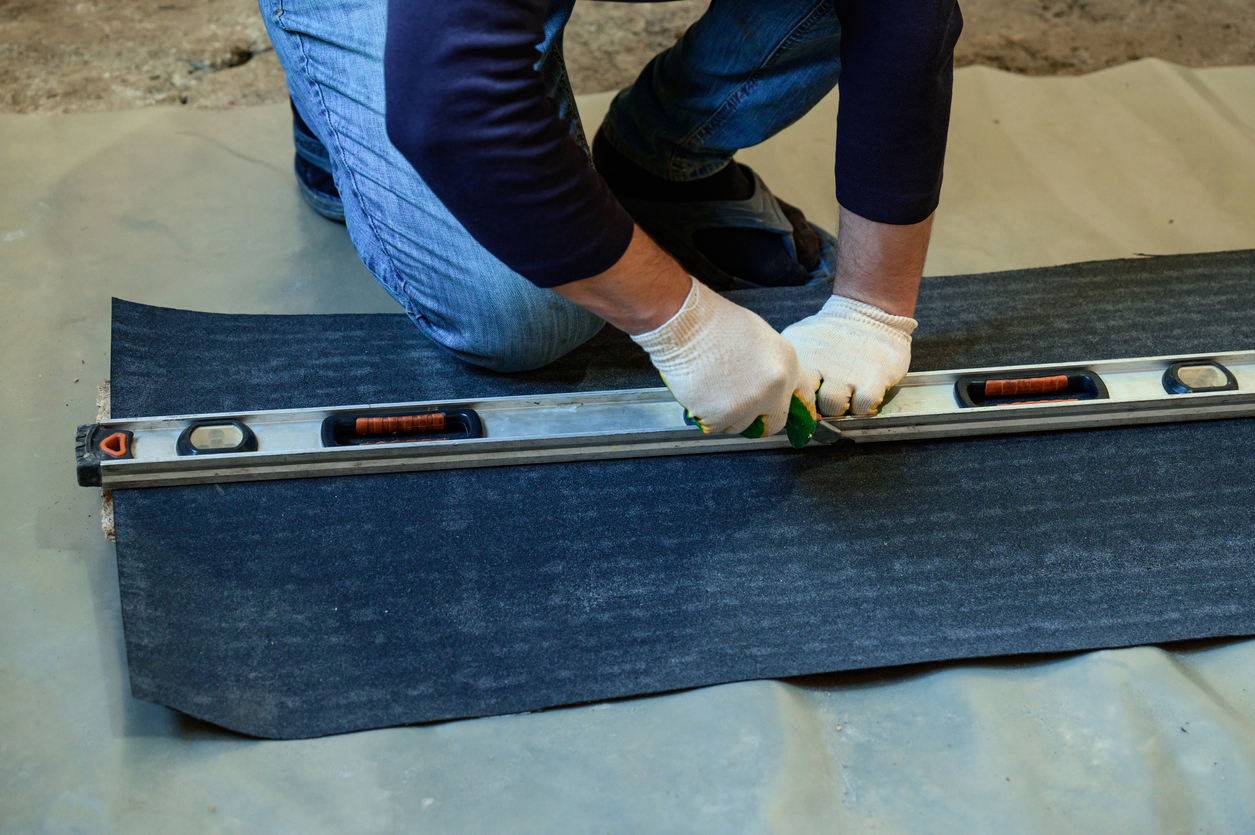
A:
[309,607]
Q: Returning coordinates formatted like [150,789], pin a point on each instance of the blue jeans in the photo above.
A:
[744,71]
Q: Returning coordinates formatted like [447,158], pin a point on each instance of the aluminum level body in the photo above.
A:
[648,422]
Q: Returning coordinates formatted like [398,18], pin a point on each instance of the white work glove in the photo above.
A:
[852,353]
[731,370]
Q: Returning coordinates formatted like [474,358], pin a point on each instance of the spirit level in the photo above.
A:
[496,431]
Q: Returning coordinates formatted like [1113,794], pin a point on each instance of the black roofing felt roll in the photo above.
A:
[310,607]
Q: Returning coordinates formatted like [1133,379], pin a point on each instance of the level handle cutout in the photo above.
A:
[1064,386]
[399,427]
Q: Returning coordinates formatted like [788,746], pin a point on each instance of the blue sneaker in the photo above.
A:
[313,171]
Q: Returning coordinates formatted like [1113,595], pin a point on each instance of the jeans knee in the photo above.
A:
[515,343]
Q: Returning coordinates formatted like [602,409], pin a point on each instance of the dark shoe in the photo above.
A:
[727,229]
[313,171]
[678,228]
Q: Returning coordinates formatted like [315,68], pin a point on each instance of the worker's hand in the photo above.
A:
[731,370]
[852,353]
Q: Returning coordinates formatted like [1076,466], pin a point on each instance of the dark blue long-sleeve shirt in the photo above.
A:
[467,107]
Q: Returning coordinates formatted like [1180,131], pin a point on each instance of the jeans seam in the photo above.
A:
[717,119]
[380,240]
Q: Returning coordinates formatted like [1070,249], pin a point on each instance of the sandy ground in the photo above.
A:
[63,55]
[71,55]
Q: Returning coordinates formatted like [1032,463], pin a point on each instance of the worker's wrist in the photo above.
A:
[880,264]
[679,328]
[640,293]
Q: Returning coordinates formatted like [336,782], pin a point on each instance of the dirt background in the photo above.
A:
[60,56]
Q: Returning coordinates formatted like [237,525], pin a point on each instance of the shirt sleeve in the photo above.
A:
[897,74]
[467,107]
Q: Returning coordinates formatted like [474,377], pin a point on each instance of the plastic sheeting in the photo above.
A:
[198,210]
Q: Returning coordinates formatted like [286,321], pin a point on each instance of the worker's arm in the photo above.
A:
[881,264]
[859,344]
[893,115]
[467,106]
[897,69]
[728,367]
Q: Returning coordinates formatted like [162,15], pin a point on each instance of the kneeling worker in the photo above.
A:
[445,133]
